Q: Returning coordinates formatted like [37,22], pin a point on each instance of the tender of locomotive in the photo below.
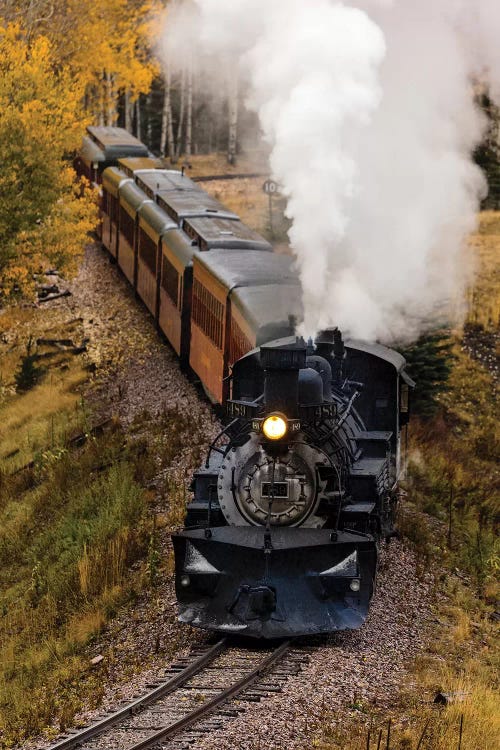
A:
[281,537]
[289,507]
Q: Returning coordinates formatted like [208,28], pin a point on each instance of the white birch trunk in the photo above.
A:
[233,117]
[180,124]
[167,130]
[109,98]
[138,124]
[149,125]
[189,113]
[101,99]
[129,110]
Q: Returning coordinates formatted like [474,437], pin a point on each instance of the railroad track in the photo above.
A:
[198,694]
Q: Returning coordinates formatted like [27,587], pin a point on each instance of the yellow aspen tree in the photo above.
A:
[43,220]
[105,43]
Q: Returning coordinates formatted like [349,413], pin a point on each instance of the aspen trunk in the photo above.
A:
[138,124]
[129,111]
[167,129]
[164,123]
[189,113]
[233,117]
[149,124]
[180,124]
[101,99]
[109,98]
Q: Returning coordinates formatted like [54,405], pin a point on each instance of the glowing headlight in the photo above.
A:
[355,584]
[274,427]
[185,581]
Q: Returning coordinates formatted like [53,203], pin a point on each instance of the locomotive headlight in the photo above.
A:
[355,584]
[274,427]
[185,581]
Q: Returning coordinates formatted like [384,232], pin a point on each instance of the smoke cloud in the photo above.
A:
[369,111]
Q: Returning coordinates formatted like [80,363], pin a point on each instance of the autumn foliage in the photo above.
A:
[43,220]
[63,65]
[105,44]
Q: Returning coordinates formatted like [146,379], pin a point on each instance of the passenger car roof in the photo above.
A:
[190,203]
[238,268]
[270,304]
[216,232]
[131,164]
[113,178]
[116,142]
[156,218]
[133,196]
[154,181]
[180,246]
[90,151]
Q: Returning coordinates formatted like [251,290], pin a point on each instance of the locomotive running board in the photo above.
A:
[232,580]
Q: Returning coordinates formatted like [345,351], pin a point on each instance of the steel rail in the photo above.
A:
[137,705]
[208,707]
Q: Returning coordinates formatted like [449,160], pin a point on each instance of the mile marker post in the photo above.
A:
[270,187]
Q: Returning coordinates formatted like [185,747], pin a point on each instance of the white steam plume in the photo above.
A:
[369,110]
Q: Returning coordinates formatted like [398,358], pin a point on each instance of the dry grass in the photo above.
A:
[45,415]
[484,296]
[69,527]
[456,665]
[41,417]
[64,571]
[202,165]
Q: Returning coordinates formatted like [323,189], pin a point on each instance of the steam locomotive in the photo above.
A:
[299,488]
[281,537]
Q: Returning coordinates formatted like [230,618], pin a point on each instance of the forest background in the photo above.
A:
[64,65]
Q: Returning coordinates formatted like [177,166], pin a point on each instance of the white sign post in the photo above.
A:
[270,188]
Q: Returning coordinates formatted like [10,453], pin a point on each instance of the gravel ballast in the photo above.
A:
[354,672]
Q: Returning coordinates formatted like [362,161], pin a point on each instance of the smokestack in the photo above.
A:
[330,345]
[281,381]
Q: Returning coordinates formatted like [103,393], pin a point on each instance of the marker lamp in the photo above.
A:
[274,427]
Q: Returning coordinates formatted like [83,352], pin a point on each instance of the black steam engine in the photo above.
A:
[281,536]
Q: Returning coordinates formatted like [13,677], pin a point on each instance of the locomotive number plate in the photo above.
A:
[294,425]
[280,490]
[240,409]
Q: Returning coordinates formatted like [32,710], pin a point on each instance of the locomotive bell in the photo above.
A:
[281,367]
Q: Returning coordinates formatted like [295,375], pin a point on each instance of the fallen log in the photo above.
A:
[50,297]
[44,289]
[55,342]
